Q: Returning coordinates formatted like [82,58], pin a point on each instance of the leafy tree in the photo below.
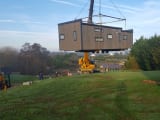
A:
[9,58]
[132,63]
[33,59]
[65,61]
[147,52]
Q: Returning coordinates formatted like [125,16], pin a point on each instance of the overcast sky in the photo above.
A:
[35,21]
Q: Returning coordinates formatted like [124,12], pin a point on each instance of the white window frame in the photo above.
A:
[109,36]
[61,37]
[75,35]
[125,37]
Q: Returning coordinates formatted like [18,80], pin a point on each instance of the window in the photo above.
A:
[125,37]
[120,36]
[97,29]
[61,36]
[109,36]
[74,35]
[99,39]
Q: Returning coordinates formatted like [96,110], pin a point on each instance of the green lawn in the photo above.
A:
[104,96]
[19,79]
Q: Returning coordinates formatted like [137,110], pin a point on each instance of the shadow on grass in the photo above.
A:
[153,75]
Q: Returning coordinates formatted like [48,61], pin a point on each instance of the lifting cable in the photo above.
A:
[82,9]
[100,15]
[114,5]
[99,7]
[117,8]
[100,18]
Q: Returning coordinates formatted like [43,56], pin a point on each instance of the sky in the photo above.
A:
[36,21]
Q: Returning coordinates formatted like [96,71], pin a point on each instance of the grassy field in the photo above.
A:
[104,96]
[19,79]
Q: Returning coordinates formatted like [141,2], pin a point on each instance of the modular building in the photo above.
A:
[79,36]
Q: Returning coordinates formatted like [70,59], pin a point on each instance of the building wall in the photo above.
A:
[70,36]
[105,38]
[90,37]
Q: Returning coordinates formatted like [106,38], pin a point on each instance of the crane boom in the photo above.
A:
[91,11]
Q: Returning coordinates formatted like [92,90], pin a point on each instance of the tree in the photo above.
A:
[132,63]
[65,61]
[147,53]
[9,58]
[33,59]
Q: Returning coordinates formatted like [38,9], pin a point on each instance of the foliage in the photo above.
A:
[131,63]
[33,58]
[110,96]
[147,53]
[65,61]
[8,58]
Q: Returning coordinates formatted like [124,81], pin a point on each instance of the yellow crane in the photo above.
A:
[85,64]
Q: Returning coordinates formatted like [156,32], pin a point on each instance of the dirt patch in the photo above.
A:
[150,82]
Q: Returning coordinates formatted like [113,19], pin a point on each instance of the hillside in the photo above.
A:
[105,96]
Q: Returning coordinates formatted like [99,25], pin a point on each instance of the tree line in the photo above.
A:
[145,54]
[33,58]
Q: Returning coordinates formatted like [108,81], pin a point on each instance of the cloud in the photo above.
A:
[143,17]
[152,21]
[6,21]
[151,3]
[18,38]
[146,22]
[130,8]
[31,22]
[65,3]
[149,15]
[121,7]
[20,21]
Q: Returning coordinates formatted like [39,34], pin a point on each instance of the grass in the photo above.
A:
[18,78]
[105,96]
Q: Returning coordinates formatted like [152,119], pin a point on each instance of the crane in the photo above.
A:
[87,36]
[85,64]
